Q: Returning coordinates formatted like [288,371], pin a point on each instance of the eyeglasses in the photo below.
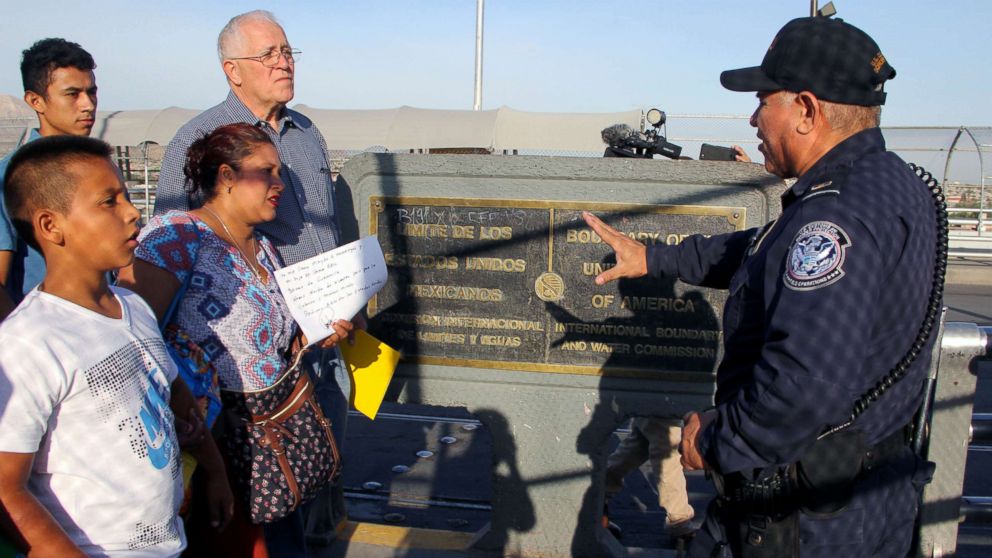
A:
[271,59]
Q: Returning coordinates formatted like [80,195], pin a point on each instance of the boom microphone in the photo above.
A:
[616,134]
[624,141]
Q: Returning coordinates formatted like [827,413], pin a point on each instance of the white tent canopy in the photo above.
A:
[552,131]
[357,129]
[403,128]
[395,129]
[134,127]
[14,107]
[503,128]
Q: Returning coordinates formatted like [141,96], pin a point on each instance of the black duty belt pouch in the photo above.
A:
[762,536]
[771,539]
[827,472]
[761,515]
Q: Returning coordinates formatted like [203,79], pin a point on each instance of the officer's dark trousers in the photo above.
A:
[879,521]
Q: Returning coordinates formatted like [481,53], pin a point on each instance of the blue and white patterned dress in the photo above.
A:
[242,324]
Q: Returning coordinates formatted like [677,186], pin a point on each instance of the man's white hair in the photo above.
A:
[230,37]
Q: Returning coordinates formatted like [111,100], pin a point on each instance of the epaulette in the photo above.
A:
[829,184]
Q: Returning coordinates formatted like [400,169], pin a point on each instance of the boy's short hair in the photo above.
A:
[38,177]
[47,55]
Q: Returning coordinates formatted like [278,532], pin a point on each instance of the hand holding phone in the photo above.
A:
[709,152]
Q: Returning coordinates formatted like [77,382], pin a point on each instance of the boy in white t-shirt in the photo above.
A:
[88,452]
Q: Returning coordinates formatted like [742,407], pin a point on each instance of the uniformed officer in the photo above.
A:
[828,326]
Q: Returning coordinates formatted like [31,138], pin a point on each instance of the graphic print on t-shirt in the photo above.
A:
[153,418]
[132,373]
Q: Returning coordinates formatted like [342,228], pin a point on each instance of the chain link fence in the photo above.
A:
[956,156]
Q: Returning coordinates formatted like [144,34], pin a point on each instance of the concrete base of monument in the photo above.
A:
[403,502]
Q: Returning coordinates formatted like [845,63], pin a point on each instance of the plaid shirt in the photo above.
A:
[305,223]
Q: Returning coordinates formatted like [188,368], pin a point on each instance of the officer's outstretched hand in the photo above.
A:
[632,259]
[695,423]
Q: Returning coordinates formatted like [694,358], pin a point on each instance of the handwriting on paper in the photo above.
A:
[333,285]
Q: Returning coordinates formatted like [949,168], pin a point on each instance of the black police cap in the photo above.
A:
[831,58]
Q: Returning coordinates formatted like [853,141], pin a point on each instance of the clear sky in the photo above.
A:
[540,55]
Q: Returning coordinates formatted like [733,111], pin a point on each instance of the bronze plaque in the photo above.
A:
[510,284]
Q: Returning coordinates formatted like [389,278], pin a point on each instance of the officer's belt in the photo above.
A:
[781,492]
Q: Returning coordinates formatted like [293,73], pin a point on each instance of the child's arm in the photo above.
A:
[29,526]
[6,304]
[220,499]
[6,260]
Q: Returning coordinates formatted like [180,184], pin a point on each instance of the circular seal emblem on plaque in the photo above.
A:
[549,287]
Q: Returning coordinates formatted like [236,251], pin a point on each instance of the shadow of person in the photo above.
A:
[669,332]
[327,515]
[513,509]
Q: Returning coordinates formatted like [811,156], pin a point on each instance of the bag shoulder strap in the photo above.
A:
[182,288]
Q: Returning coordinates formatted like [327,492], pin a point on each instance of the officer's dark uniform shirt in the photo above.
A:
[823,303]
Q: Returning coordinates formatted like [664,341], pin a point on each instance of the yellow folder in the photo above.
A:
[371,364]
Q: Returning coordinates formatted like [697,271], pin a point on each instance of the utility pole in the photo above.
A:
[479,8]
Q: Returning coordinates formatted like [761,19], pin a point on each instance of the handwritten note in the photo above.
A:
[334,285]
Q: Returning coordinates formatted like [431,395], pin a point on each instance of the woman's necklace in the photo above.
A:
[254,246]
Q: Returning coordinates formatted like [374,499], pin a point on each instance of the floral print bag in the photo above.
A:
[279,445]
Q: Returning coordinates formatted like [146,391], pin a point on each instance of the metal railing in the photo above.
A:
[978,509]
[950,428]
[137,168]
[973,236]
[954,431]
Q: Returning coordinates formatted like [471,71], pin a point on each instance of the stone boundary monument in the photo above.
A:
[492,302]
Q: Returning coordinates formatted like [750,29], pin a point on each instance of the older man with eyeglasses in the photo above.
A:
[260,66]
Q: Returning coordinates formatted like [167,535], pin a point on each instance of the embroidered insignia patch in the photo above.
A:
[816,258]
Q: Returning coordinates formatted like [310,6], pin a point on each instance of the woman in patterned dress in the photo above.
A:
[232,307]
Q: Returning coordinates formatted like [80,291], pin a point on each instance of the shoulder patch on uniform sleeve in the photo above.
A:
[816,258]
